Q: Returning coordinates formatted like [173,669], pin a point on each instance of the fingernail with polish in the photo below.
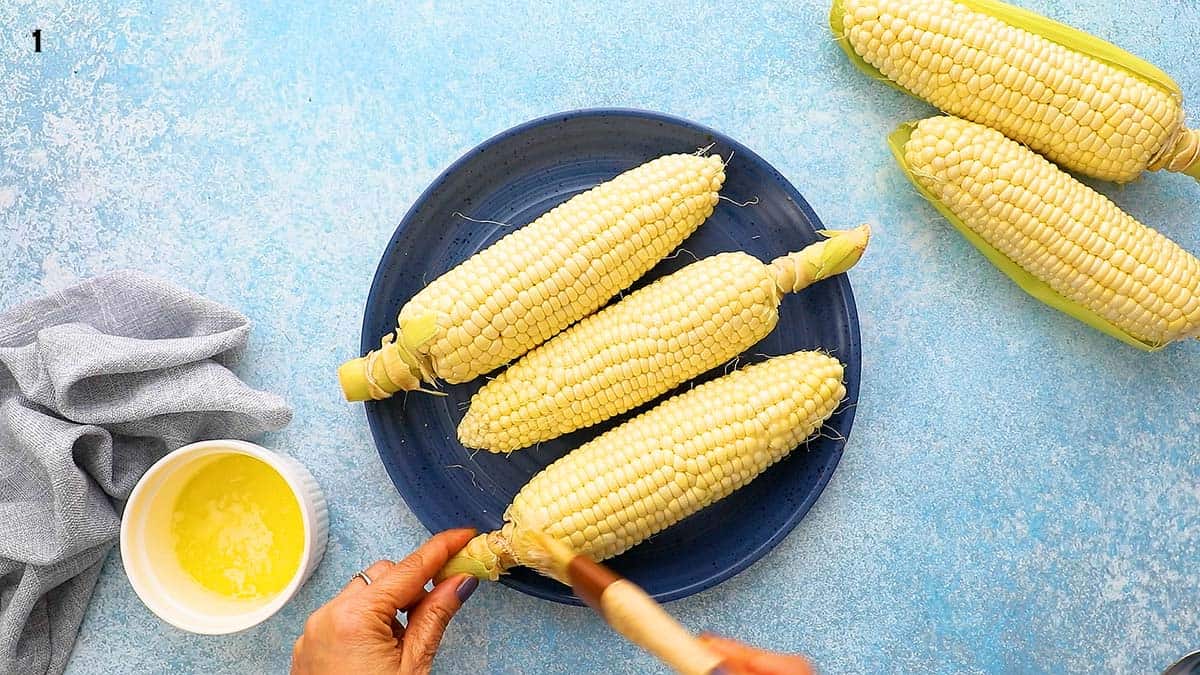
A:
[466,587]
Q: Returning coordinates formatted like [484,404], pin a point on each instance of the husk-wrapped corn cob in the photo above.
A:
[676,328]
[539,279]
[1082,102]
[1061,241]
[663,465]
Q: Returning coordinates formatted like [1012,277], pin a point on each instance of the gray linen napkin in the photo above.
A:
[96,383]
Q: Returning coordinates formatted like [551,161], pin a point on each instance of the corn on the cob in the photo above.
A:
[1082,102]
[665,464]
[1060,240]
[539,279]
[663,335]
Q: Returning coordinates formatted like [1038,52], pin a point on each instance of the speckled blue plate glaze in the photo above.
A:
[515,177]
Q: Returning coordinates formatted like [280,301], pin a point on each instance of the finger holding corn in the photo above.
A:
[663,465]
[672,330]
[1084,103]
[1062,241]
[540,278]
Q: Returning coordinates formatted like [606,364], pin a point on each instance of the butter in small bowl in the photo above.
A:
[218,535]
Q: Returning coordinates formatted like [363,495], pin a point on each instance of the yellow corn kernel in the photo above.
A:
[1063,242]
[663,465]
[541,278]
[672,330]
[1082,102]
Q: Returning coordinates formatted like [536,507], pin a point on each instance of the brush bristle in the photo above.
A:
[547,555]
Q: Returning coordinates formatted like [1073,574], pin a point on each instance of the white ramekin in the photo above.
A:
[150,562]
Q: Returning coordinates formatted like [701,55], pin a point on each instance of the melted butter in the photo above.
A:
[236,528]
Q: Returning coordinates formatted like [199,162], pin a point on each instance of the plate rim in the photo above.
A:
[750,556]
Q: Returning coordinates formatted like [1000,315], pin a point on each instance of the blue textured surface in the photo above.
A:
[1020,493]
[514,178]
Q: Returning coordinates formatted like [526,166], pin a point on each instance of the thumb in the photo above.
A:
[404,583]
[428,620]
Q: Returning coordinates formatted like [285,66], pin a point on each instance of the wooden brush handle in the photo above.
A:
[644,622]
[638,617]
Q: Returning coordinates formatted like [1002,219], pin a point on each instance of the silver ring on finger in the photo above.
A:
[361,574]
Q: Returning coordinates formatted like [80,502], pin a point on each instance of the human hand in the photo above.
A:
[742,659]
[357,631]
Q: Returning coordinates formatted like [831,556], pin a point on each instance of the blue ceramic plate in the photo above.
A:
[514,178]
